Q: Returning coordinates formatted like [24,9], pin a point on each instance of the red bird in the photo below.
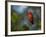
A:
[30,17]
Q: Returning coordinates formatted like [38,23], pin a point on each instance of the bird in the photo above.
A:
[30,17]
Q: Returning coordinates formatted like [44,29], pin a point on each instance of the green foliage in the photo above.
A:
[15,19]
[38,24]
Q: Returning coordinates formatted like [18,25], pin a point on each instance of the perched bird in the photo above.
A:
[30,17]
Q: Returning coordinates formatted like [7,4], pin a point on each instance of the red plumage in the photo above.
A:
[30,17]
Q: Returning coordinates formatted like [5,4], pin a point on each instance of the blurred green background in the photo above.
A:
[19,20]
